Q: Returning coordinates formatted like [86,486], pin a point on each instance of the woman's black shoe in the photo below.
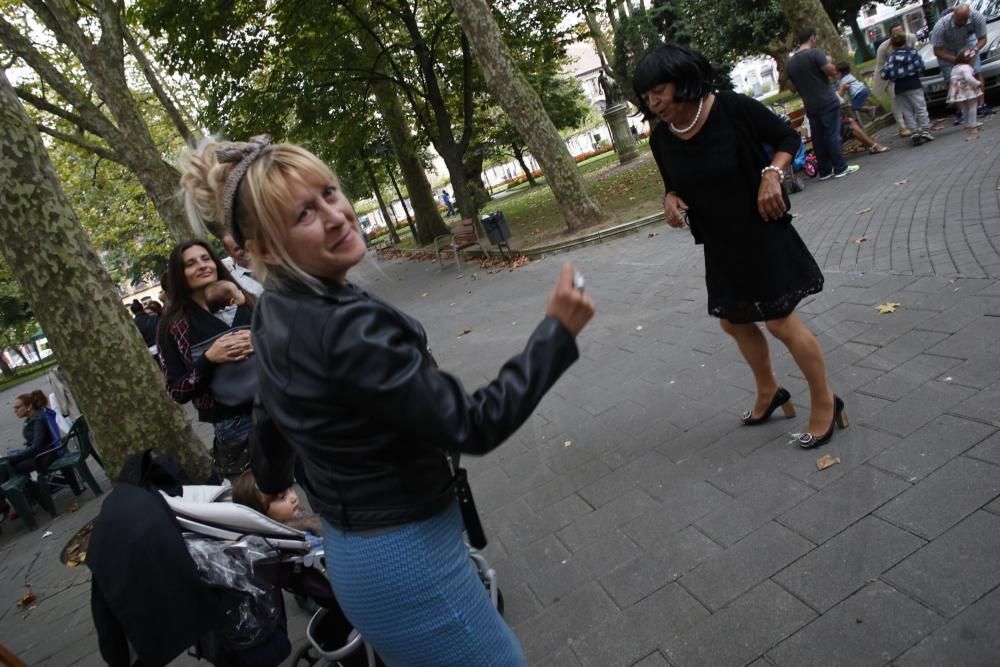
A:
[782,399]
[810,441]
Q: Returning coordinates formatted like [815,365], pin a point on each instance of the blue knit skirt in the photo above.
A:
[415,595]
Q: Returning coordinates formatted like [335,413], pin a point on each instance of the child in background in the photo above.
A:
[223,297]
[964,89]
[903,66]
[849,88]
[283,507]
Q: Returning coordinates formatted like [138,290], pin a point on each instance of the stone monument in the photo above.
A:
[616,116]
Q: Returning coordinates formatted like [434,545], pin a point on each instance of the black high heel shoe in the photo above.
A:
[782,399]
[810,441]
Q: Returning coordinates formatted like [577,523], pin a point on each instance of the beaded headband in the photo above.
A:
[243,155]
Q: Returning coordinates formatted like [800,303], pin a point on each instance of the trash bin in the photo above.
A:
[496,228]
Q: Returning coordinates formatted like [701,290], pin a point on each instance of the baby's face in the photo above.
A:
[285,506]
[234,295]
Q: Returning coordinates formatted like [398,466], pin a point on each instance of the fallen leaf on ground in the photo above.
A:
[73,507]
[47,534]
[639,328]
[424,294]
[567,443]
[860,239]
[864,210]
[464,331]
[461,275]
[652,234]
[888,307]
[902,182]
[826,461]
[475,276]
[28,598]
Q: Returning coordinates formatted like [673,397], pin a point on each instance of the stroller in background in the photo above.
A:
[286,558]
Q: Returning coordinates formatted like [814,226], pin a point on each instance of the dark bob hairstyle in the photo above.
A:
[672,63]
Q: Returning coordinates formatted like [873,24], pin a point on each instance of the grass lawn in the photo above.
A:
[625,193]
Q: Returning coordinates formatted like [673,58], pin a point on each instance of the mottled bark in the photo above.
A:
[125,132]
[811,14]
[117,384]
[425,211]
[512,92]
[859,37]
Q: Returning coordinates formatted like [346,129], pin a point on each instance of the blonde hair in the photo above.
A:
[261,200]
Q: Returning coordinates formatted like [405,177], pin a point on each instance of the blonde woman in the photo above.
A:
[349,387]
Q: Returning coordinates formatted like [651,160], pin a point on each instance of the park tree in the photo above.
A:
[80,84]
[812,14]
[116,383]
[525,109]
[845,12]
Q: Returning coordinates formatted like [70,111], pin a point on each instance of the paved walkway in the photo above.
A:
[633,521]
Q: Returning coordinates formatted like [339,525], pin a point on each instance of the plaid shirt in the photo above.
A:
[186,387]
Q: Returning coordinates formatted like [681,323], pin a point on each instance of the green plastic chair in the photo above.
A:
[13,490]
[74,462]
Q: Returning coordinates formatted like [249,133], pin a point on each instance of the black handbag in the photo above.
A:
[233,383]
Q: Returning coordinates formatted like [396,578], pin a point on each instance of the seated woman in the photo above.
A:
[40,434]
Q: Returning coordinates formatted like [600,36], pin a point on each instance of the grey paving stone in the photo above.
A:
[554,582]
[843,565]
[979,339]
[565,484]
[665,562]
[869,628]
[520,604]
[727,575]
[682,503]
[971,639]
[931,446]
[907,346]
[841,503]
[988,449]
[944,498]
[932,576]
[984,405]
[919,407]
[741,632]
[568,619]
[749,511]
[652,466]
[546,522]
[655,659]
[909,376]
[597,524]
[638,630]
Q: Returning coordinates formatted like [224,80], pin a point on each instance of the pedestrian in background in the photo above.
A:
[903,67]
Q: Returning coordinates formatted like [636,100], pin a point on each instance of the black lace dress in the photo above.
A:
[754,270]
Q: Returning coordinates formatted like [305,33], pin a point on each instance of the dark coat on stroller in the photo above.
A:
[146,589]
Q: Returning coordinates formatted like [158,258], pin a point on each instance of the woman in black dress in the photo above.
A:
[709,146]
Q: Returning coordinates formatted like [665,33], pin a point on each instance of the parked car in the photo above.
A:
[936,88]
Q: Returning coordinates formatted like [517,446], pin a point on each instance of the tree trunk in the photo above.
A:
[859,37]
[406,211]
[811,13]
[110,371]
[390,223]
[104,62]
[604,51]
[525,109]
[428,218]
[519,156]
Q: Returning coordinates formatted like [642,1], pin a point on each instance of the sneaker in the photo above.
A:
[958,119]
[926,134]
[850,169]
[985,110]
[918,140]
[826,177]
[905,132]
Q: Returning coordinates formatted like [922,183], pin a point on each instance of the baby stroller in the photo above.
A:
[290,559]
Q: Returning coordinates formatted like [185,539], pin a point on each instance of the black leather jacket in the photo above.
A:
[347,384]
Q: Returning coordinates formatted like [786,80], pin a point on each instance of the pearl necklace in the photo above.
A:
[697,117]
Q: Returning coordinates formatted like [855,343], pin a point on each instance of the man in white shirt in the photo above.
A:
[238,264]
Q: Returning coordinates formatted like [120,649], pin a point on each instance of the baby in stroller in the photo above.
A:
[220,520]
